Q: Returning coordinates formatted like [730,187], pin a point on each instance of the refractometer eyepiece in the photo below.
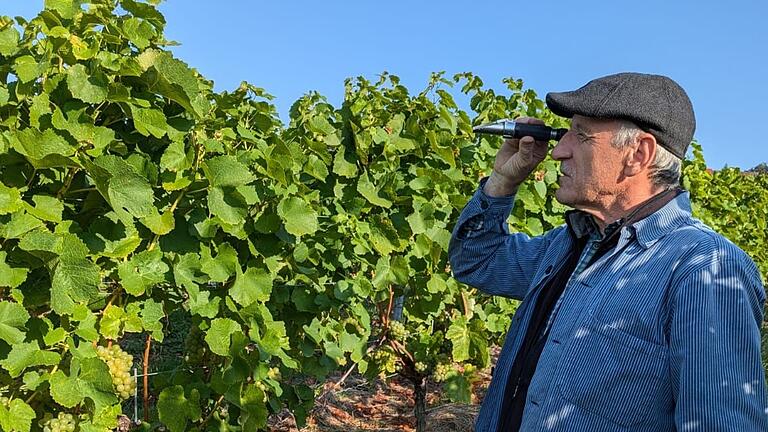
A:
[511,129]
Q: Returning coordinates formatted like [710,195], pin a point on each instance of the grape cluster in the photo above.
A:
[442,370]
[119,363]
[194,346]
[385,360]
[420,367]
[62,423]
[397,330]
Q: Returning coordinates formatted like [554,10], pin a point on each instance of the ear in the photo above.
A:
[641,156]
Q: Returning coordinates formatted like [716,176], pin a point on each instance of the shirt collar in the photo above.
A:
[647,230]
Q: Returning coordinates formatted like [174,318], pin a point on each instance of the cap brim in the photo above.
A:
[562,104]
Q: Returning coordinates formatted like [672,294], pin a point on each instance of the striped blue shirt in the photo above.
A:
[659,334]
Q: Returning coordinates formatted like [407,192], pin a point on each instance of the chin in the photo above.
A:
[563,197]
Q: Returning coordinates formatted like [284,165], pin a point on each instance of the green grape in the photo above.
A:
[64,422]
[274,373]
[442,370]
[386,360]
[397,330]
[119,363]
[420,367]
[194,346]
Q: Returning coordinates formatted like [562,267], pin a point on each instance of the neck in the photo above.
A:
[618,206]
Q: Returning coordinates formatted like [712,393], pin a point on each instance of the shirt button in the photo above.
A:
[483,204]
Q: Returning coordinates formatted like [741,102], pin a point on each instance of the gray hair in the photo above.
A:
[666,167]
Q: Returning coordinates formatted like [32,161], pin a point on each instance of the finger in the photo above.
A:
[512,143]
[526,148]
[528,120]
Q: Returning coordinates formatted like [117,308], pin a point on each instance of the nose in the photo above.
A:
[563,148]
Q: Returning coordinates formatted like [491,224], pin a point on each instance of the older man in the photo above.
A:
[635,316]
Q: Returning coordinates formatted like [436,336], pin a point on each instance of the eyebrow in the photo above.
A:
[581,128]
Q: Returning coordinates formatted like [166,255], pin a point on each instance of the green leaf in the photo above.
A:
[10,199]
[67,9]
[138,31]
[27,354]
[175,158]
[218,336]
[458,334]
[228,205]
[17,417]
[44,149]
[125,189]
[13,316]
[111,322]
[26,68]
[10,277]
[75,280]
[144,270]
[9,41]
[298,216]
[224,266]
[253,415]
[160,224]
[174,409]
[20,224]
[88,87]
[342,167]
[369,191]
[151,318]
[458,389]
[255,285]
[89,379]
[149,121]
[47,208]
[173,79]
[227,171]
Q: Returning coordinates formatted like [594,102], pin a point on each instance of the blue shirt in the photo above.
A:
[662,333]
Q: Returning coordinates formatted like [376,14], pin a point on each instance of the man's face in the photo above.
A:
[591,166]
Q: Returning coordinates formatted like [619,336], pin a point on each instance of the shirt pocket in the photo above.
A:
[613,374]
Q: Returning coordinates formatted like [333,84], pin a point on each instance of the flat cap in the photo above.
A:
[655,103]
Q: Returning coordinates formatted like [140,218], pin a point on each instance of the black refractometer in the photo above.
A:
[510,129]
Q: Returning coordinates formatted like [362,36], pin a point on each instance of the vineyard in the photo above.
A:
[131,192]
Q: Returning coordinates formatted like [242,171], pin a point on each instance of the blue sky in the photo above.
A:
[716,50]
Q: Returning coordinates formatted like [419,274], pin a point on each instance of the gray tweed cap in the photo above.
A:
[655,103]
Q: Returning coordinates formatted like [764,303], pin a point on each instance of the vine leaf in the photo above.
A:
[75,280]
[24,355]
[144,270]
[13,317]
[10,276]
[297,215]
[218,336]
[255,285]
[17,417]
[175,409]
[88,378]
[88,87]
[369,191]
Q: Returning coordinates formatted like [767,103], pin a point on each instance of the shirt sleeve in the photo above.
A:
[717,376]
[484,254]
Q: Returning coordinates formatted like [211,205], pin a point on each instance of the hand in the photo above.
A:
[515,161]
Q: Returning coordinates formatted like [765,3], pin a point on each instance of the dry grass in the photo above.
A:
[360,405]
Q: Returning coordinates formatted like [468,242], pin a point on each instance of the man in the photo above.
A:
[635,316]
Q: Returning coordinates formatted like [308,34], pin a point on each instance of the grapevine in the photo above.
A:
[130,188]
